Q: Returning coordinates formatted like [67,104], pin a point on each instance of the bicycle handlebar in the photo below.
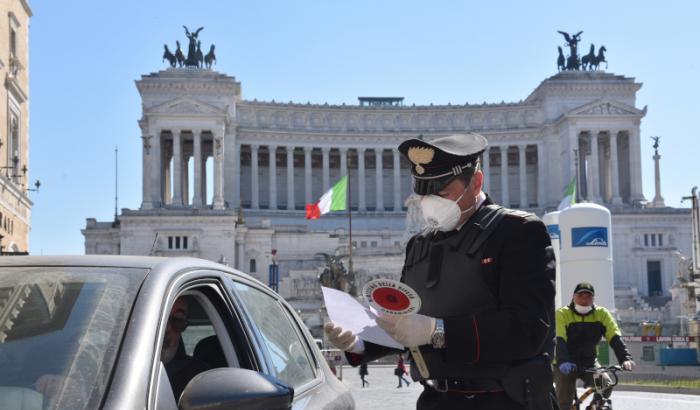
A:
[611,370]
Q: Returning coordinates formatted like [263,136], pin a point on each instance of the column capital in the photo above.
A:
[343,150]
[325,150]
[254,147]
[361,150]
[378,151]
[308,149]
[522,146]
[272,147]
[289,148]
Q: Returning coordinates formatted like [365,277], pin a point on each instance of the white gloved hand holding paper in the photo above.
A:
[409,330]
[340,338]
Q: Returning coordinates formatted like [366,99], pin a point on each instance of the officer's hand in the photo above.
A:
[567,367]
[628,365]
[410,330]
[342,339]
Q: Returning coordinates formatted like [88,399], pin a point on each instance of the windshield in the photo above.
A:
[60,330]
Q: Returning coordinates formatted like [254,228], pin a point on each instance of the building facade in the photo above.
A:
[227,179]
[15,205]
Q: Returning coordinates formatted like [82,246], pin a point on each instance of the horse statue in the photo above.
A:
[199,55]
[167,55]
[560,60]
[210,58]
[179,56]
[588,59]
[600,58]
[335,276]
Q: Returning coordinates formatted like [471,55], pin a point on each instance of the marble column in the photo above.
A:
[204,180]
[167,177]
[255,183]
[361,200]
[658,201]
[273,175]
[635,162]
[197,199]
[397,181]
[343,162]
[522,173]
[614,169]
[594,170]
[185,180]
[541,189]
[486,167]
[568,160]
[307,174]
[505,193]
[218,148]
[146,158]
[326,170]
[290,178]
[379,174]
[236,196]
[153,169]
[177,168]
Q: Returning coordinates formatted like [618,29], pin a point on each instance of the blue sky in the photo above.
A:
[85,56]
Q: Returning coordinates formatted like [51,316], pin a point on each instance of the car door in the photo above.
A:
[214,336]
[286,348]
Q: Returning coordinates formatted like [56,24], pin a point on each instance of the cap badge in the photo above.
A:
[420,156]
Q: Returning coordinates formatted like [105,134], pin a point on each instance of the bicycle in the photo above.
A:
[600,384]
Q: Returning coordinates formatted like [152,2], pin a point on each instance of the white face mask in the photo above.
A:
[583,309]
[442,214]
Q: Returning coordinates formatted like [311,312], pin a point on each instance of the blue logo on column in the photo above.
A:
[589,236]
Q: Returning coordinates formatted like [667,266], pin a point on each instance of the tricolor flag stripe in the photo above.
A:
[569,195]
[335,199]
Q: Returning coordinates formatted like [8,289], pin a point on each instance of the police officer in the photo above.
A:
[485,275]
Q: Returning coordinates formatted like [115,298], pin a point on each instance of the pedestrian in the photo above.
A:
[363,374]
[400,372]
[484,335]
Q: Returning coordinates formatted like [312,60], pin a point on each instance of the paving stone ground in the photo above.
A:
[382,394]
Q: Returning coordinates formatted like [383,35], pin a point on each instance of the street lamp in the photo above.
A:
[37,184]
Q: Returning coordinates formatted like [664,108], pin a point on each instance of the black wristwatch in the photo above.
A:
[438,337]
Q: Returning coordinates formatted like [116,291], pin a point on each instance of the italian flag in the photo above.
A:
[569,195]
[333,200]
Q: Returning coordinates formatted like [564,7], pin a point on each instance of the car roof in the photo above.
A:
[154,264]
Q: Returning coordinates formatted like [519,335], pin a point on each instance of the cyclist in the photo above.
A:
[580,326]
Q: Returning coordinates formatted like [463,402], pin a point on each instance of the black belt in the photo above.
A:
[458,386]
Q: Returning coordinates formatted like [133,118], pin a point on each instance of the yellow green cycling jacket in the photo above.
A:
[578,336]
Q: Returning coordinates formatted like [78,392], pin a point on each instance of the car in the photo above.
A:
[88,332]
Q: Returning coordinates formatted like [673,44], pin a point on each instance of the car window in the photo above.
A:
[60,331]
[286,351]
[193,338]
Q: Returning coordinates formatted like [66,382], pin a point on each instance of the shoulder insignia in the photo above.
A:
[518,214]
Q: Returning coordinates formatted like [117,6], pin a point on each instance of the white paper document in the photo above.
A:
[349,314]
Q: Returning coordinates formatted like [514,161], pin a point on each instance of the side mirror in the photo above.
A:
[242,389]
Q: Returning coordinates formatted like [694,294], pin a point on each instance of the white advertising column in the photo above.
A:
[585,253]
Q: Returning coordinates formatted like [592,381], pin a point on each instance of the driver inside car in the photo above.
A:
[181,367]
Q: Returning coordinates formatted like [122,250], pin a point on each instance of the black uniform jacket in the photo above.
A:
[519,269]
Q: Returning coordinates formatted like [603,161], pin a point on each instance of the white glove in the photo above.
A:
[342,339]
[410,330]
[628,365]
